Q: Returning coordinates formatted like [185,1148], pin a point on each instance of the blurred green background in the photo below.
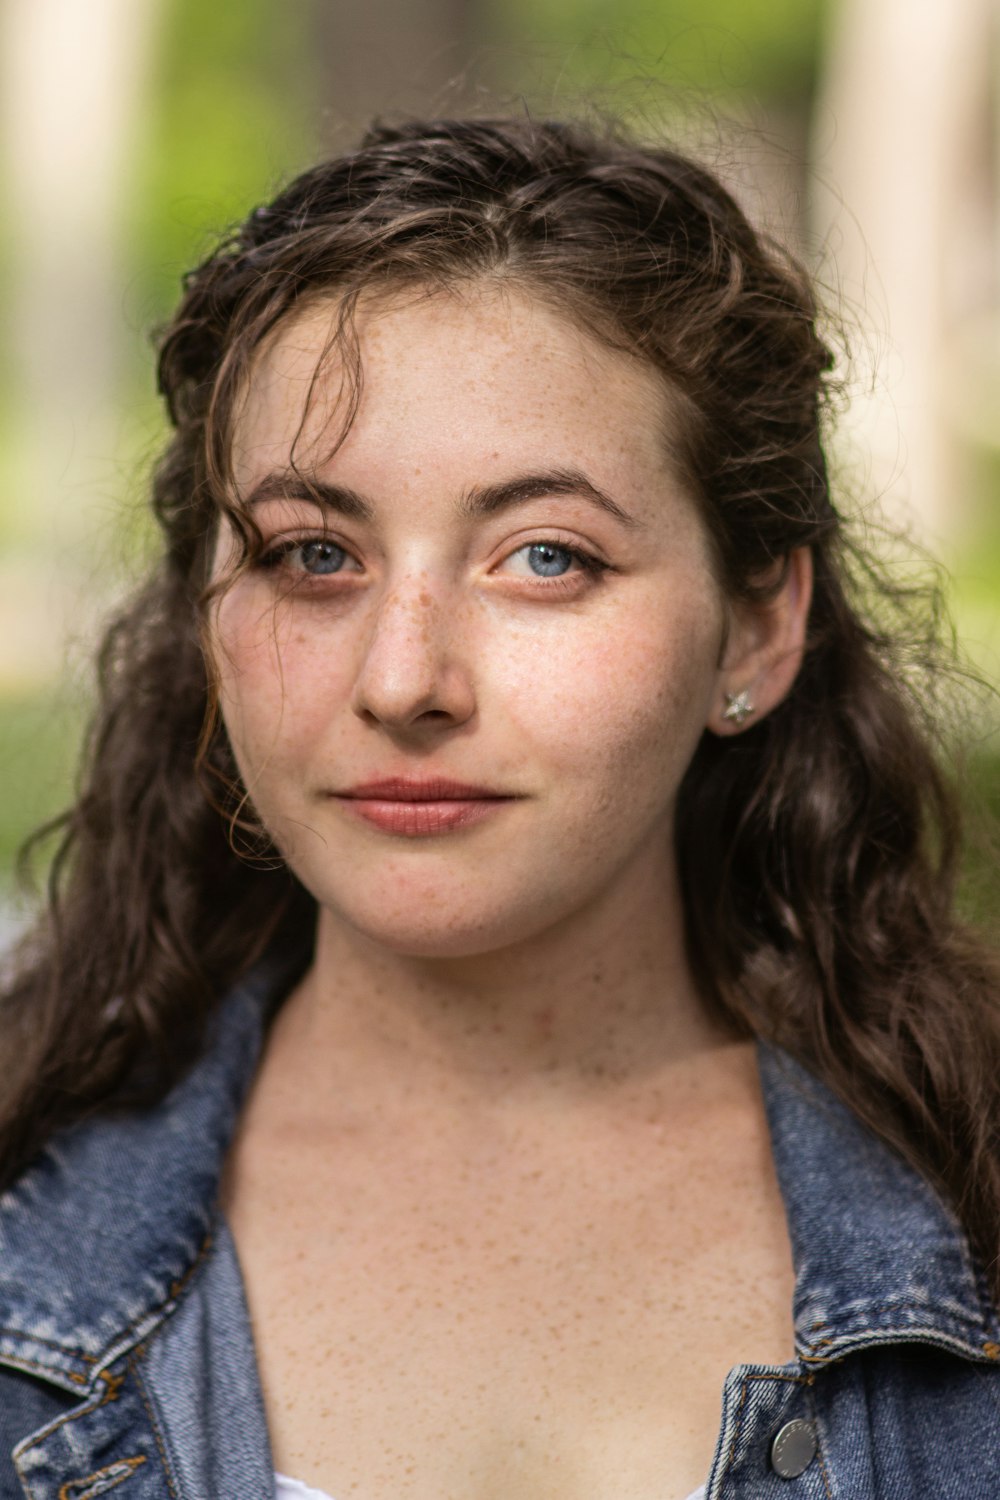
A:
[134,131]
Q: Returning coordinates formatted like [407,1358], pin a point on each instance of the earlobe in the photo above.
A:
[764,649]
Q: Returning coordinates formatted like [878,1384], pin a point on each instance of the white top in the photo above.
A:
[294,1489]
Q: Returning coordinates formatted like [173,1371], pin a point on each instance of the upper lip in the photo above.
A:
[423,789]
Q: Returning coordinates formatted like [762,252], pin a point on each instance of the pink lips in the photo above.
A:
[421,808]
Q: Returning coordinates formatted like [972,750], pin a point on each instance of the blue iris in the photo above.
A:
[549,561]
[322,557]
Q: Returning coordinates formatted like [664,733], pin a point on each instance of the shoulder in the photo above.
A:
[117,1278]
[99,1232]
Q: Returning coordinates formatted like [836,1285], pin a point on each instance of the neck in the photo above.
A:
[606,998]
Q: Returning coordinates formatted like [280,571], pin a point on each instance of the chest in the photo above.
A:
[508,1317]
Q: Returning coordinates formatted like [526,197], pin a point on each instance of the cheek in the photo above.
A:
[278,681]
[619,710]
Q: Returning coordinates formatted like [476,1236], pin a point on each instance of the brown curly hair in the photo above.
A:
[818,850]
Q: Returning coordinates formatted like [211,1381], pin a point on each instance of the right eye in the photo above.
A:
[317,557]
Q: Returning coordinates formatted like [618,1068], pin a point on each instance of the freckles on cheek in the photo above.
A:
[613,726]
[617,710]
[277,682]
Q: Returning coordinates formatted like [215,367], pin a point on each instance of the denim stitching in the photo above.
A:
[139,1352]
[140,1385]
[176,1289]
[31,1367]
[35,1439]
[806,1380]
[19,1333]
[949,1327]
[814,1415]
[68,1491]
[113,1385]
[736,1427]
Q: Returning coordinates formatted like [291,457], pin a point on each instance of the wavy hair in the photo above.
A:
[818,849]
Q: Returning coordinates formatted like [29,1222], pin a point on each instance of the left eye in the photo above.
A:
[545,559]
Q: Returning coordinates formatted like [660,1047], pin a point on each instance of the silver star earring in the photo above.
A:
[739,707]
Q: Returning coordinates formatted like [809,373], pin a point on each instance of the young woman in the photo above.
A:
[502,1028]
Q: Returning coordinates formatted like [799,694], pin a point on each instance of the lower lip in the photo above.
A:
[422,820]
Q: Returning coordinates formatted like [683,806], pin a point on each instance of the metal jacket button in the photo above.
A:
[794,1449]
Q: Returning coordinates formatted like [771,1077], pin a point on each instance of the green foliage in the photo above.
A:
[724,48]
[231,114]
[39,747]
[980,893]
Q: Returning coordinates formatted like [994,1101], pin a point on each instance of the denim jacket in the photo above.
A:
[127,1358]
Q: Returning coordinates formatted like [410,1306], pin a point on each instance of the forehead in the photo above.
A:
[485,377]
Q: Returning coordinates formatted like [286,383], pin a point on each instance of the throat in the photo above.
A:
[490,1025]
[529,1313]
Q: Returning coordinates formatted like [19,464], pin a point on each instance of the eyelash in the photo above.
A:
[277,555]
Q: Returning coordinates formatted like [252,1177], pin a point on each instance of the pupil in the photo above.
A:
[322,557]
[549,561]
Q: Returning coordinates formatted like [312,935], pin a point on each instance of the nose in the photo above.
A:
[413,674]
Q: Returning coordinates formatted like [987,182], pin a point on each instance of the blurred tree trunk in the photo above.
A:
[903,143]
[72,78]
[392,57]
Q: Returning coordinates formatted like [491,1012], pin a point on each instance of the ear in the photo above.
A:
[763,649]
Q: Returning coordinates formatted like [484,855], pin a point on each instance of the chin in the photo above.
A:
[433,926]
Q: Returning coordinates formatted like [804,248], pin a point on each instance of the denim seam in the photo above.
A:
[32,1440]
[983,1290]
[23,1483]
[144,1397]
[130,1463]
[176,1290]
[31,1367]
[19,1333]
[805,1380]
[952,1327]
[848,1344]
[163,1310]
[892,1305]
[736,1429]
[814,1415]
[112,1387]
[140,1350]
[98,1398]
[179,1286]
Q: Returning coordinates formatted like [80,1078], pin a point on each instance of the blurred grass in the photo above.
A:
[39,746]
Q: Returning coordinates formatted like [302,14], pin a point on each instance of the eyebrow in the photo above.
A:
[481,500]
[489,499]
[336,497]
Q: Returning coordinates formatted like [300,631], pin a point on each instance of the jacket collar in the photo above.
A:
[99,1236]
[879,1258]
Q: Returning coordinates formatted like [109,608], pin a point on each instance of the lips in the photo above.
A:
[425,807]
[432,789]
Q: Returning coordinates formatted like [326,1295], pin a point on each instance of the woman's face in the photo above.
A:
[500,585]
